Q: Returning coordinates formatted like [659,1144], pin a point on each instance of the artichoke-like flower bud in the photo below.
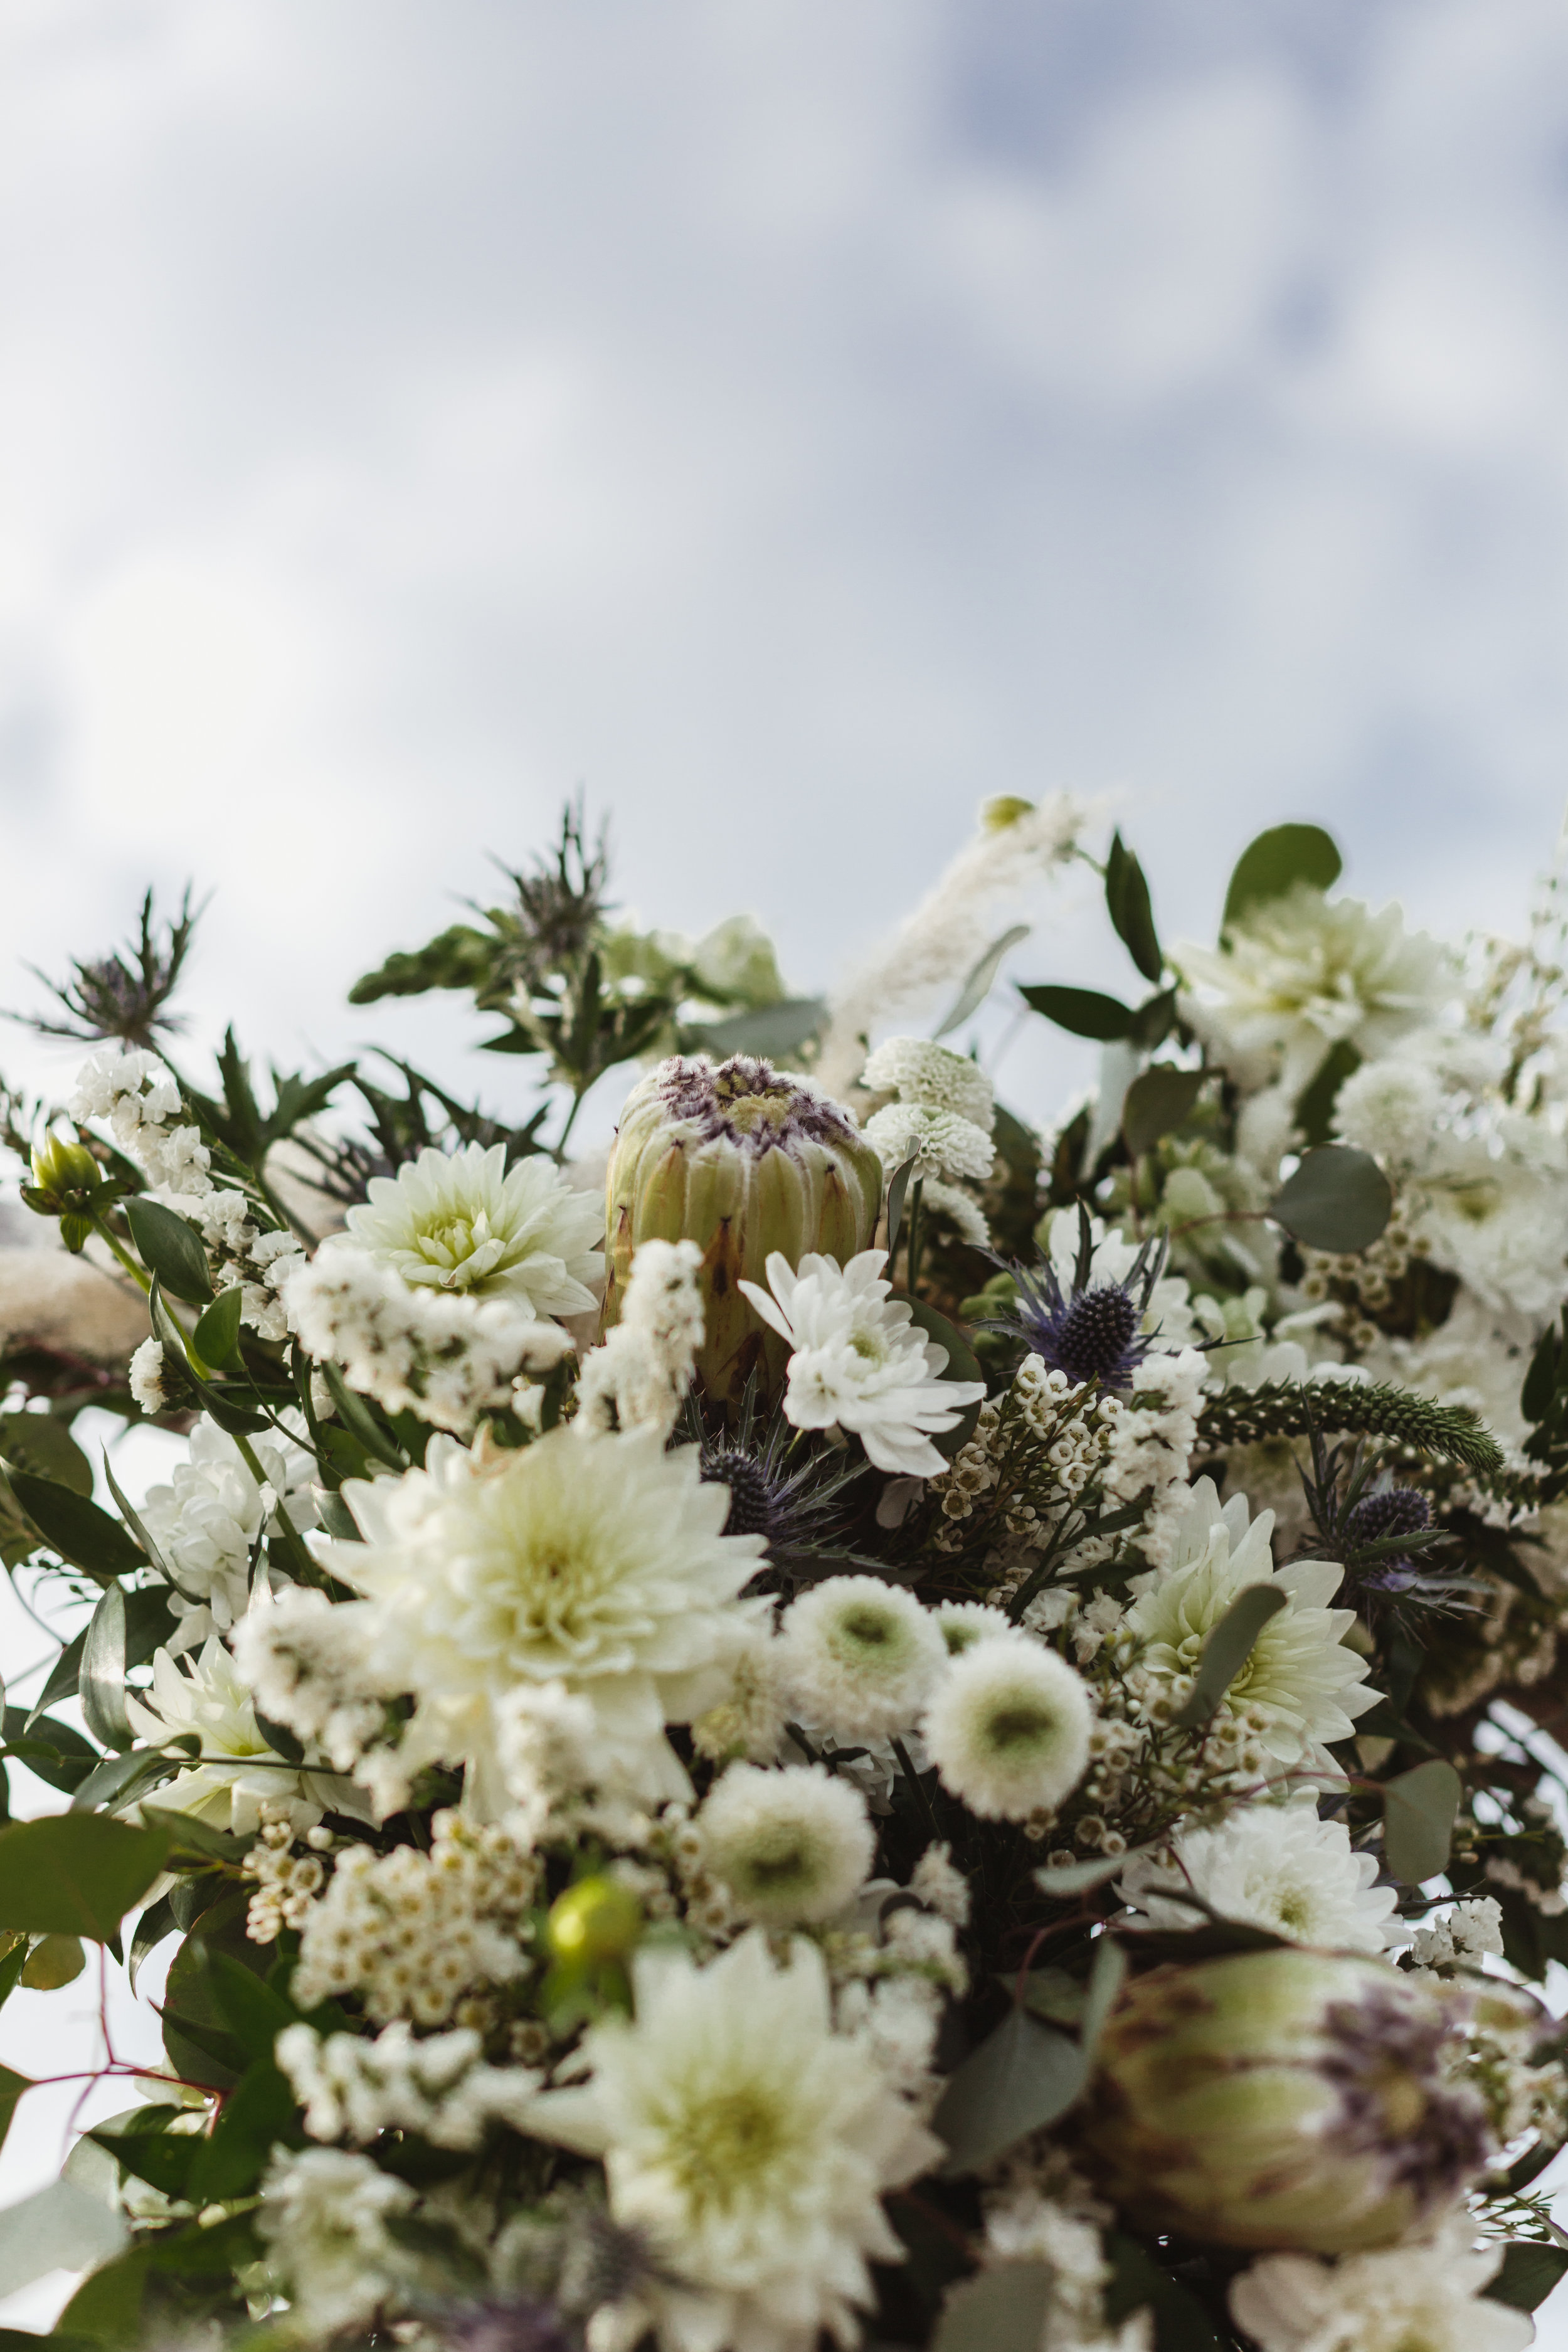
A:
[1290,2099]
[67,1183]
[742,1159]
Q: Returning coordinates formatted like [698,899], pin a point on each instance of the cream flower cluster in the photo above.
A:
[639,1377]
[237,1770]
[132,1093]
[1423,2297]
[1275,1866]
[208,1519]
[324,2217]
[354,2086]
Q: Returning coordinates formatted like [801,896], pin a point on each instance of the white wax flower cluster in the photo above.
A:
[352,2087]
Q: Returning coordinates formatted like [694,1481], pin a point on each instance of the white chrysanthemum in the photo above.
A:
[964,1622]
[598,1563]
[238,1771]
[961,1210]
[1274,1866]
[208,1519]
[1423,2297]
[1303,973]
[1389,1108]
[461,1220]
[860,1362]
[1008,1728]
[323,2215]
[859,1656]
[1300,1685]
[918,1072]
[791,1846]
[939,1142]
[748,2142]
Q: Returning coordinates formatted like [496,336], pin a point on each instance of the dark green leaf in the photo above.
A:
[1155,1103]
[259,2113]
[170,1247]
[62,1680]
[216,1335]
[16,2339]
[360,1421]
[981,980]
[1052,1994]
[75,1874]
[42,1444]
[1229,1648]
[1418,1814]
[254,2013]
[766,1029]
[1275,863]
[1154,1020]
[1127,902]
[459,957]
[335,1516]
[1339,1198]
[1021,2078]
[215,2252]
[76,1528]
[1083,1011]
[102,1684]
[1137,2282]
[106,2309]
[1527,2277]
[12,2086]
[164,2159]
[1315,1110]
[118,1781]
[1001,2309]
[962,1365]
[11,1968]
[898,1185]
[156,1922]
[57,1752]
[191,1840]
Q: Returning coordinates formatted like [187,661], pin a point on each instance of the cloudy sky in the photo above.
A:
[789,421]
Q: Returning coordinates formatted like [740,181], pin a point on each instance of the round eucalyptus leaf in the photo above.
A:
[1338,1199]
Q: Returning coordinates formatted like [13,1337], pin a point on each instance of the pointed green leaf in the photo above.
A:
[75,1874]
[259,2113]
[766,1029]
[101,1686]
[1275,863]
[1418,1814]
[1083,1011]
[1021,2078]
[897,1186]
[1339,1198]
[216,1335]
[1155,1103]
[1229,1648]
[982,980]
[1127,902]
[1070,1878]
[1315,1110]
[1528,2275]
[170,1247]
[57,1752]
[62,2228]
[41,1442]
[1106,1978]
[76,1528]
[12,2086]
[962,1365]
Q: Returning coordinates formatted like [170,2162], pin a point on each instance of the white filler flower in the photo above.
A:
[461,1220]
[859,1656]
[598,1563]
[749,2142]
[1424,2297]
[1008,1728]
[207,1520]
[323,2215]
[1274,1866]
[238,1771]
[860,1361]
[791,1846]
[1300,1687]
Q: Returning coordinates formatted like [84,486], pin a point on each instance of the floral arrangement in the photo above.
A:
[877,1722]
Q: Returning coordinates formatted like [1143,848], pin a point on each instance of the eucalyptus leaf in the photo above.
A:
[60,2229]
[75,1874]
[216,1335]
[1419,1810]
[1106,1978]
[1275,863]
[766,1029]
[1001,2309]
[1022,2077]
[1229,1648]
[1082,1011]
[1339,1198]
[101,1684]
[982,980]
[1128,904]
[76,1528]
[170,1247]
[1155,1103]
[1528,2275]
[12,2086]
[57,1752]
[40,1443]
[1066,1879]
[897,1186]
[962,1365]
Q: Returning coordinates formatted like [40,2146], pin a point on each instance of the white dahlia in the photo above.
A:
[1274,1866]
[237,1769]
[942,1143]
[791,1846]
[1422,2297]
[1008,1728]
[860,1361]
[462,1220]
[1300,1688]
[598,1563]
[918,1072]
[1302,973]
[208,1519]
[858,1657]
[749,2144]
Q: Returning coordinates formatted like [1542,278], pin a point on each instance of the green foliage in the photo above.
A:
[1022,2077]
[1374,1409]
[1275,863]
[981,978]
[75,1874]
[41,1444]
[1419,1810]
[170,1247]
[1128,903]
[1159,1100]
[1339,1198]
[962,1365]
[1085,1012]
[237,1120]
[998,2310]
[1528,2275]
[74,1527]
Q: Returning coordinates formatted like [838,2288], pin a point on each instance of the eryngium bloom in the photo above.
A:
[1283,2098]
[745,1160]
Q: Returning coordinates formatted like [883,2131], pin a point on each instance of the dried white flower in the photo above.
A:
[1423,2297]
[919,1072]
[637,1379]
[939,1142]
[323,2215]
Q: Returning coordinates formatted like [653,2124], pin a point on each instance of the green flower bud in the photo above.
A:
[67,1183]
[743,1161]
[596,1921]
[1284,2099]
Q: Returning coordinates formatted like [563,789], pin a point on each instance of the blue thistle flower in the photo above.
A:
[1092,1330]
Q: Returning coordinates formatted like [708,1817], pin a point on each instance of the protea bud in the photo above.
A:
[742,1160]
[1284,2099]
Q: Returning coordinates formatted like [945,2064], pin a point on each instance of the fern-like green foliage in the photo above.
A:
[1450,1433]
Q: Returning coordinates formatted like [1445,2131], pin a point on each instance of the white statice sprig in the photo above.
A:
[354,2086]
[859,1361]
[324,2216]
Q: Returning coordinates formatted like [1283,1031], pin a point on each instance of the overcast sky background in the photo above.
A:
[789,421]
